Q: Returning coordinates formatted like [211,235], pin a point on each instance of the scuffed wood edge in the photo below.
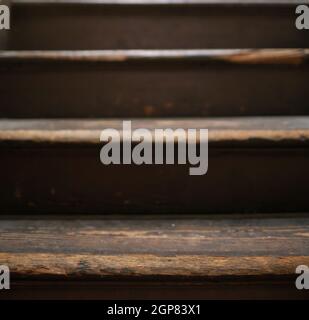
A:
[228,56]
[86,265]
[92,137]
[163,2]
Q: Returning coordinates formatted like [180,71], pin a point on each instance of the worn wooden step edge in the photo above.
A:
[231,56]
[236,247]
[254,131]
[40,265]
[162,2]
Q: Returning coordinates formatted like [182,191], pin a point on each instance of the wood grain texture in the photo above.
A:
[211,235]
[196,247]
[87,266]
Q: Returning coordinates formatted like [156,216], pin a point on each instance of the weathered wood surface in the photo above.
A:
[255,165]
[166,2]
[230,56]
[154,83]
[190,247]
[138,24]
[154,257]
[148,265]
[251,131]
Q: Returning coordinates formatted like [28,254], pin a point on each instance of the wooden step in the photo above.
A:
[97,24]
[161,256]
[139,83]
[255,165]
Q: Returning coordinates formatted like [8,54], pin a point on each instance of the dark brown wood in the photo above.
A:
[162,236]
[190,24]
[57,171]
[150,290]
[256,164]
[191,247]
[152,257]
[154,84]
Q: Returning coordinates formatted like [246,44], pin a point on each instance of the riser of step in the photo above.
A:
[252,254]
[253,167]
[73,181]
[63,25]
[155,290]
[154,83]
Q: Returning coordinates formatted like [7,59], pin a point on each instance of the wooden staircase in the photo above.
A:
[71,227]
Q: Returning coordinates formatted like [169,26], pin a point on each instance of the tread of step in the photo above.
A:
[160,2]
[153,83]
[297,56]
[255,165]
[143,24]
[226,132]
[200,249]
